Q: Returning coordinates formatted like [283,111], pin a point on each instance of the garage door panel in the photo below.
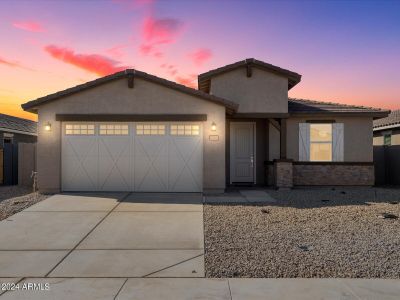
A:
[185,157]
[150,146]
[151,174]
[115,163]
[80,146]
[80,174]
[114,176]
[185,147]
[151,163]
[184,176]
[182,179]
[79,166]
[185,182]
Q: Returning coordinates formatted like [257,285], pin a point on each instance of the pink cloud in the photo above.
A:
[158,54]
[146,49]
[170,69]
[200,56]
[189,81]
[29,26]
[158,31]
[161,31]
[117,51]
[9,63]
[13,64]
[95,63]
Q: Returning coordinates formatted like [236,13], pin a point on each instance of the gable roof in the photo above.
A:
[204,78]
[391,121]
[31,106]
[305,106]
[8,122]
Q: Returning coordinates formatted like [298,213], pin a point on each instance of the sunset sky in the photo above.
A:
[347,51]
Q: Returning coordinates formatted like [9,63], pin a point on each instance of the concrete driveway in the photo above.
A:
[92,246]
[105,235]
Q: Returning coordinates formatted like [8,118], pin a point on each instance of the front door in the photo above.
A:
[242,158]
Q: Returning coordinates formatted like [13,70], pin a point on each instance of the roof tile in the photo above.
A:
[313,106]
[392,119]
[14,123]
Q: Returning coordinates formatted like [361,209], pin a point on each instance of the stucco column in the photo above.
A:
[283,137]
[283,173]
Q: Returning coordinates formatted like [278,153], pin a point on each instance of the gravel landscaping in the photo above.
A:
[13,199]
[306,233]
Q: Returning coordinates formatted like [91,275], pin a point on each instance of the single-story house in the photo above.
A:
[387,130]
[132,131]
[13,130]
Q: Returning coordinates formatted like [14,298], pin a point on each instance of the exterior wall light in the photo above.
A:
[47,127]
[213,126]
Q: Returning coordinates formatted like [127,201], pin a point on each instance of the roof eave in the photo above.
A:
[32,106]
[373,114]
[293,77]
[385,127]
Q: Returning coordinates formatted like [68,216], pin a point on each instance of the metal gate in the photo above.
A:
[387,164]
[10,164]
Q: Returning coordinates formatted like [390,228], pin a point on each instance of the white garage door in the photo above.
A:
[142,157]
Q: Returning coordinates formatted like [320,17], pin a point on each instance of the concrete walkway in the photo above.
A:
[201,288]
[105,235]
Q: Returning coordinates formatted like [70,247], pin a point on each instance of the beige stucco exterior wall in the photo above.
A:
[274,142]
[116,98]
[358,137]
[263,92]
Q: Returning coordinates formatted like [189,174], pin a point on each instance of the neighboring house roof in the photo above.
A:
[304,106]
[14,124]
[391,121]
[204,79]
[32,105]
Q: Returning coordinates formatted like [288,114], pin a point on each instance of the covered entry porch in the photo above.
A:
[256,150]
